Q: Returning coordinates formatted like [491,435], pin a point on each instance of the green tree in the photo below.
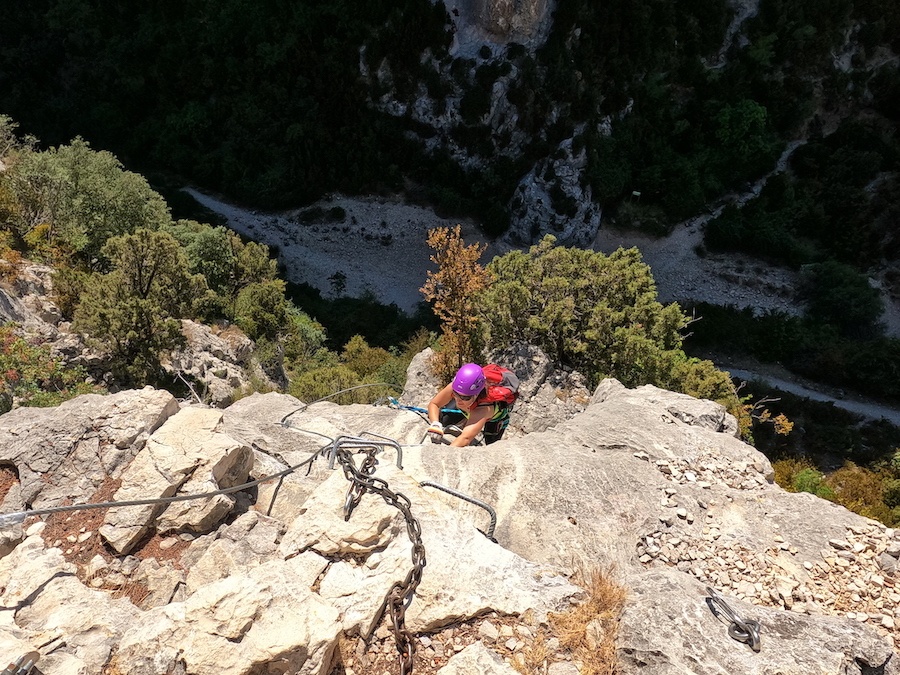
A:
[304,344]
[11,144]
[262,310]
[76,198]
[133,311]
[839,295]
[227,263]
[812,481]
[742,129]
[209,252]
[597,313]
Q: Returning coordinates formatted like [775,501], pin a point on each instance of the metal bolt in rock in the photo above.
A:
[738,629]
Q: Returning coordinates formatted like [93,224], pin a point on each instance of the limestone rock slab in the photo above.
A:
[188,453]
[668,628]
[465,573]
[268,619]
[67,452]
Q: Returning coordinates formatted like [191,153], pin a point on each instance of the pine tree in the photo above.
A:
[453,289]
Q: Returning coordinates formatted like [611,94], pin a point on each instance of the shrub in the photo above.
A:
[589,629]
[810,480]
[31,376]
[862,491]
[363,359]
[321,382]
[261,309]
[599,314]
[68,285]
[891,492]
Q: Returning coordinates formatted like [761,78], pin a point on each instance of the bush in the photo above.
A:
[31,376]
[261,309]
[839,295]
[862,491]
[599,314]
[645,217]
[362,359]
[321,382]
[810,480]
[891,493]
[83,197]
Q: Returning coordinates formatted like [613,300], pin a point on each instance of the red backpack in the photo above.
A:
[501,384]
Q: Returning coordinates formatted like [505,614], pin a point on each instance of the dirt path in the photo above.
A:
[682,274]
[868,409]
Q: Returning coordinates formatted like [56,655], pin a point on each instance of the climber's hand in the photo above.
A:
[436,431]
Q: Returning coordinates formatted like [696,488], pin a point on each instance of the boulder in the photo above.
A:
[187,454]
[264,620]
[547,395]
[465,576]
[68,452]
[76,628]
[219,362]
[421,382]
[629,482]
[26,299]
[285,432]
[690,410]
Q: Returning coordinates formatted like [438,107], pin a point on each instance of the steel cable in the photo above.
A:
[17,517]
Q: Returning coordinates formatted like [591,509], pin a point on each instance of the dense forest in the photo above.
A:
[266,102]
[276,104]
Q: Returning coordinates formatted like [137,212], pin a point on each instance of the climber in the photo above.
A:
[484,405]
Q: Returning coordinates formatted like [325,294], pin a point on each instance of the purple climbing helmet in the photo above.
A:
[469,380]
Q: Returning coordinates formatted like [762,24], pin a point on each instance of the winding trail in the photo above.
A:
[868,409]
[683,275]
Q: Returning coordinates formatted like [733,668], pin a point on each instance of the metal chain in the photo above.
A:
[400,594]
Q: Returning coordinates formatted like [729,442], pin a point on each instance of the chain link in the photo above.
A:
[400,594]
[738,629]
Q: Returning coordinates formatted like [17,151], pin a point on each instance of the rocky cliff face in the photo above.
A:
[511,19]
[553,197]
[291,575]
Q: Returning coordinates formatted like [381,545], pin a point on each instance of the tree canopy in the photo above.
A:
[596,312]
[75,198]
[134,309]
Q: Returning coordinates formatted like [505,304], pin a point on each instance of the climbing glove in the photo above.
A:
[436,431]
